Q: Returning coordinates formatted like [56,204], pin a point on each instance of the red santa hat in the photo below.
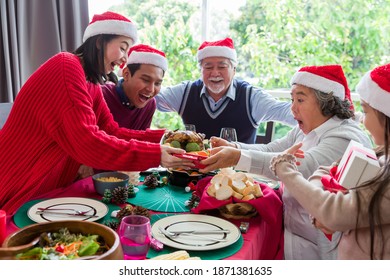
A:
[144,54]
[374,88]
[327,78]
[222,48]
[110,23]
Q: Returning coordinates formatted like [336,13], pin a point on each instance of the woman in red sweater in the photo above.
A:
[59,119]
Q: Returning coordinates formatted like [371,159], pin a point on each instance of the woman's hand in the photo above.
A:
[220,142]
[169,161]
[84,171]
[321,227]
[296,151]
[220,158]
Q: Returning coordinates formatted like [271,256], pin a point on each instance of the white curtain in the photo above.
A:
[31,32]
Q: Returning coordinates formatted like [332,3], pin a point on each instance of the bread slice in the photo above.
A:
[217,179]
[248,190]
[237,195]
[223,193]
[248,197]
[212,189]
[258,192]
[238,186]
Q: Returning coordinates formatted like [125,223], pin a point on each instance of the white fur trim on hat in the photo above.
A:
[319,83]
[217,51]
[148,58]
[115,27]
[373,94]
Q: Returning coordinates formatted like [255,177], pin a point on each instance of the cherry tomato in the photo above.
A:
[60,248]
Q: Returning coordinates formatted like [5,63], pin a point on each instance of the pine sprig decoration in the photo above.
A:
[120,195]
[107,193]
[194,201]
[131,192]
[107,196]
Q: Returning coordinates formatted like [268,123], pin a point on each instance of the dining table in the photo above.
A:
[262,241]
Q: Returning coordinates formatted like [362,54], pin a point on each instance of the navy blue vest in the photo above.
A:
[196,110]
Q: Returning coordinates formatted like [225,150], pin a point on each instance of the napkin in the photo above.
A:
[264,205]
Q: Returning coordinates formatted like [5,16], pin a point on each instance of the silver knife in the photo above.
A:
[216,231]
[64,214]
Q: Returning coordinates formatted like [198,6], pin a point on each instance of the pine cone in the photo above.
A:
[120,195]
[125,211]
[139,210]
[151,181]
[156,174]
[112,224]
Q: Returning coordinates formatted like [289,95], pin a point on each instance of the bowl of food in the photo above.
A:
[181,177]
[109,180]
[63,240]
[187,140]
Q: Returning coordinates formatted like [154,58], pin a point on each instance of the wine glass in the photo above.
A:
[229,134]
[190,127]
[135,236]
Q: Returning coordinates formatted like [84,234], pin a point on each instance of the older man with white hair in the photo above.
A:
[219,100]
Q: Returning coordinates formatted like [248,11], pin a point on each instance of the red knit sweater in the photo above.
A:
[58,121]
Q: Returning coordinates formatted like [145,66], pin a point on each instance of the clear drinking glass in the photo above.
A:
[135,235]
[229,134]
[190,127]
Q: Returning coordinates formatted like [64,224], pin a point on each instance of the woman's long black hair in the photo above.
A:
[91,53]
[379,185]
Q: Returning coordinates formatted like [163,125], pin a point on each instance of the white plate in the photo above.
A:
[195,222]
[155,169]
[262,179]
[97,208]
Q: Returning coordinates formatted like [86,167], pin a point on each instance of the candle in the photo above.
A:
[3,223]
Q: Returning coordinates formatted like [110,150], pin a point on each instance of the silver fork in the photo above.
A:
[174,235]
[78,212]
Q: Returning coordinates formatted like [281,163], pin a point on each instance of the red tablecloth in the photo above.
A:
[263,241]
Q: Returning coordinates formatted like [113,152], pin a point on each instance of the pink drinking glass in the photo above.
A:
[135,235]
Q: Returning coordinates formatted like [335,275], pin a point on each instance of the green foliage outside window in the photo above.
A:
[273,38]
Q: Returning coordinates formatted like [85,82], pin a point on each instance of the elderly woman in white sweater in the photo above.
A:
[321,105]
[362,214]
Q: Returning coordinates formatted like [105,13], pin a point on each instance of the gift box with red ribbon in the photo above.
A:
[358,165]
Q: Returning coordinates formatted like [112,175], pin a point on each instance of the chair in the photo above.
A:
[5,109]
[267,137]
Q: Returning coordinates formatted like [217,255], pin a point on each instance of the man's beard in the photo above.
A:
[215,88]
